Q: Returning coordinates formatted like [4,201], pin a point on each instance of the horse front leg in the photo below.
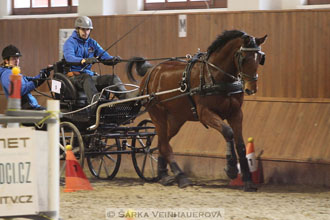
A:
[213,120]
[236,123]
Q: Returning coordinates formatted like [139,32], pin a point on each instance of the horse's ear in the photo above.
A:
[261,40]
[247,39]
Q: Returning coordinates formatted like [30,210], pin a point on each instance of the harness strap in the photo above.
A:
[218,89]
[185,82]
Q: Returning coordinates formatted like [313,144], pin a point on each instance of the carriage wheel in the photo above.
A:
[145,152]
[104,166]
[70,135]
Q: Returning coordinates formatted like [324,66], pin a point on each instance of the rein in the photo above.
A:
[155,59]
[219,69]
[203,89]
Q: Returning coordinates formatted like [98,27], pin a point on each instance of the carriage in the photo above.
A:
[101,138]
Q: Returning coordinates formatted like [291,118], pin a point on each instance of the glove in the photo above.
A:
[44,73]
[113,61]
[116,59]
[90,60]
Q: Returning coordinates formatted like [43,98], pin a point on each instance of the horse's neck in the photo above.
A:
[225,59]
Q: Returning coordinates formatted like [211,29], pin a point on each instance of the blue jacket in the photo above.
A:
[75,49]
[27,87]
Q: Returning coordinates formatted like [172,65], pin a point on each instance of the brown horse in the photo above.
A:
[211,89]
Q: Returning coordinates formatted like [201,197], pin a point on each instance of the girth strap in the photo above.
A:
[224,88]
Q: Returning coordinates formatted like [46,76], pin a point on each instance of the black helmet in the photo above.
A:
[10,51]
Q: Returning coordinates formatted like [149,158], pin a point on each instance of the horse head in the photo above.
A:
[248,58]
[236,56]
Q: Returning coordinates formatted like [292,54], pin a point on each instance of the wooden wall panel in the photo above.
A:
[297,49]
[291,131]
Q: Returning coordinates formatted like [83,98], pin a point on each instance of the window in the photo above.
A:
[318,2]
[183,4]
[26,7]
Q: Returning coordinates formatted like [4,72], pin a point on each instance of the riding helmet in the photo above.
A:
[10,51]
[83,22]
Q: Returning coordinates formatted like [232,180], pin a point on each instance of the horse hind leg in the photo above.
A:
[181,178]
[172,127]
[159,118]
[164,178]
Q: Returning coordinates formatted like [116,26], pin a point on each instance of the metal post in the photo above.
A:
[53,160]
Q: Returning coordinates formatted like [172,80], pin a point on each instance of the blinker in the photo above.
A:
[263,59]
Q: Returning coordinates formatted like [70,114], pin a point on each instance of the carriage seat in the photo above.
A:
[68,91]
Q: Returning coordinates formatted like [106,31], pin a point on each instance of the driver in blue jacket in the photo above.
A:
[80,48]
[11,56]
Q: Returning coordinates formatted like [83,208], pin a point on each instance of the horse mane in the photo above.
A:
[222,39]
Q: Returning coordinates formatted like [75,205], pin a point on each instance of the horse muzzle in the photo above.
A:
[250,92]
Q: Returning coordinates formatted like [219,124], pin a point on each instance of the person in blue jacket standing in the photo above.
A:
[82,49]
[11,56]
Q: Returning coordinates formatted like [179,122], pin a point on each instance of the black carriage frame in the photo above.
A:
[103,147]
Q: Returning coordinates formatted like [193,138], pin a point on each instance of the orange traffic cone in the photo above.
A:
[252,160]
[253,166]
[75,178]
[237,182]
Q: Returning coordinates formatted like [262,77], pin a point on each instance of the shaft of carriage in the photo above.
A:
[104,105]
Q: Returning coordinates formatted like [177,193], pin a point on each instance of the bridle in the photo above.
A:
[241,76]
[240,59]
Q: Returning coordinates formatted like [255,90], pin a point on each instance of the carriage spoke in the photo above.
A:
[151,138]
[63,168]
[62,156]
[140,141]
[75,150]
[62,147]
[153,158]
[152,165]
[99,167]
[72,139]
[105,167]
[63,136]
[144,162]
[111,158]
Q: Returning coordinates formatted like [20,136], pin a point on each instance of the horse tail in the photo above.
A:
[141,67]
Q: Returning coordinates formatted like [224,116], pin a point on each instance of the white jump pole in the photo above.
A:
[53,160]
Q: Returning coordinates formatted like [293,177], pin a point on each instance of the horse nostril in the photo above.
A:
[249,92]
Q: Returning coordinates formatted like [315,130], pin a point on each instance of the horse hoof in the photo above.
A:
[231,171]
[167,180]
[249,186]
[183,181]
